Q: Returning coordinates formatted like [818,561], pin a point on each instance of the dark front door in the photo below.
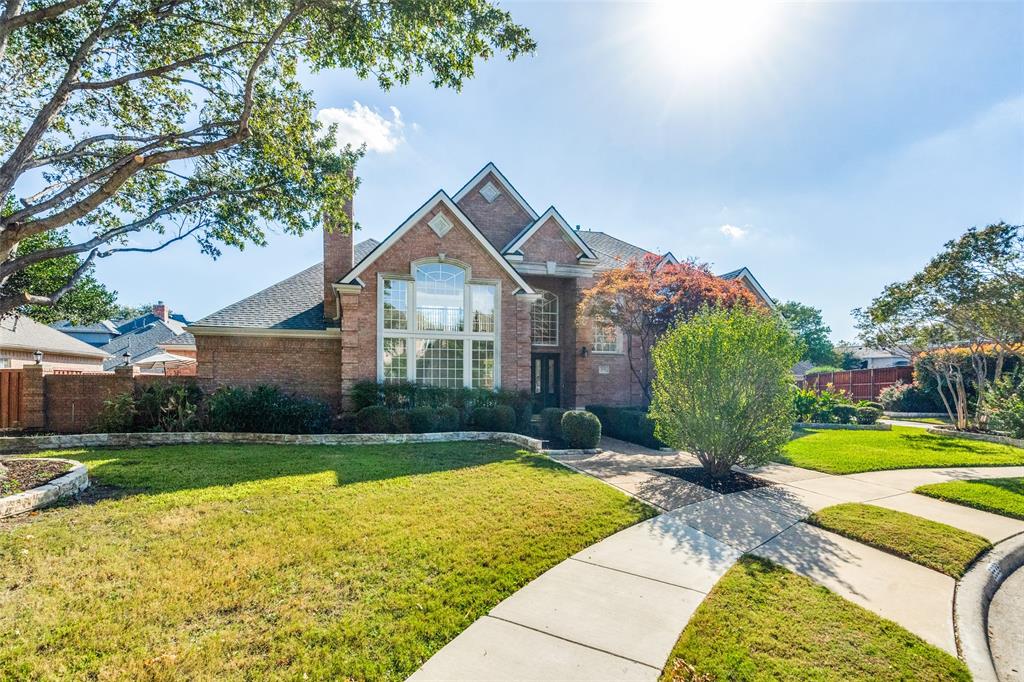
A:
[546,380]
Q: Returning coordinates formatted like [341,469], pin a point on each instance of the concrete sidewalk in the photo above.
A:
[614,610]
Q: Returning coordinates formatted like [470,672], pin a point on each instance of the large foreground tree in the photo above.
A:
[137,123]
[643,298]
[962,316]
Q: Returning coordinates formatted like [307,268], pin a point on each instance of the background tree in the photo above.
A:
[643,298]
[186,119]
[807,324]
[963,315]
[723,387]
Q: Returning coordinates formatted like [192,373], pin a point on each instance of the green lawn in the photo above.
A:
[944,548]
[247,562]
[762,622]
[997,495]
[849,452]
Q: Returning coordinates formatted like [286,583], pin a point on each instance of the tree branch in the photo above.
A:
[158,70]
[9,303]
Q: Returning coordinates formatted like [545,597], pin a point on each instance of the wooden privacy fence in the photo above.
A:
[11,382]
[861,384]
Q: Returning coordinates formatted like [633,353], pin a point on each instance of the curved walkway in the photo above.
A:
[1006,628]
[615,609]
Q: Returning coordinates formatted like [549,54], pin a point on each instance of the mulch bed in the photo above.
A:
[25,474]
[734,482]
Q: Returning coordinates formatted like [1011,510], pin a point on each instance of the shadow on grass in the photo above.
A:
[161,470]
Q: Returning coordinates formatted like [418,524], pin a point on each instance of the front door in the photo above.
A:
[546,380]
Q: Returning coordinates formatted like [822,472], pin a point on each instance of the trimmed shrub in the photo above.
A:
[1004,405]
[581,429]
[266,409]
[482,419]
[374,419]
[117,415]
[401,422]
[870,403]
[504,419]
[551,423]
[901,397]
[626,423]
[868,415]
[844,414]
[422,420]
[366,393]
[448,419]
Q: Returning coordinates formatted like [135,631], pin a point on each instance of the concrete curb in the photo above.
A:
[25,444]
[971,600]
[574,451]
[849,427]
[71,483]
[970,435]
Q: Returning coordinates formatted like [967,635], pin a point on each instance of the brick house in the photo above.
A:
[472,289]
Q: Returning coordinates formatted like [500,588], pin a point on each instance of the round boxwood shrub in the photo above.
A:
[504,419]
[447,419]
[482,419]
[844,414]
[401,421]
[868,415]
[581,429]
[422,420]
[871,403]
[551,423]
[373,419]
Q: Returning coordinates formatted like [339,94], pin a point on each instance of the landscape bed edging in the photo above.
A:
[73,482]
[911,415]
[850,427]
[971,435]
[24,444]
[971,600]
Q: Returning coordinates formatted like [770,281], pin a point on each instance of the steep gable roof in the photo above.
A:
[747,276]
[509,187]
[141,342]
[531,229]
[18,332]
[441,197]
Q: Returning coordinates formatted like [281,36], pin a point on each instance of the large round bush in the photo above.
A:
[723,387]
[581,429]
[374,419]
[422,420]
[504,419]
[447,419]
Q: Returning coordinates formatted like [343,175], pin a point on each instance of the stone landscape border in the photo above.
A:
[970,435]
[71,483]
[26,444]
[849,427]
[971,600]
[912,415]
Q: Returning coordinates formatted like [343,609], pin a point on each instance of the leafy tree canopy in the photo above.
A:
[806,323]
[644,298]
[138,123]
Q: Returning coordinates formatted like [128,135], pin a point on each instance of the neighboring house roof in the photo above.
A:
[18,332]
[801,368]
[101,327]
[866,352]
[295,303]
[125,326]
[524,235]
[141,342]
[746,275]
[183,339]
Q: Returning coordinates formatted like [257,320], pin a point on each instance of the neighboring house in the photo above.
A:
[472,289]
[21,337]
[159,335]
[102,333]
[875,358]
[801,369]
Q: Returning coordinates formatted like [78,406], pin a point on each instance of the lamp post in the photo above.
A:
[127,358]
[38,355]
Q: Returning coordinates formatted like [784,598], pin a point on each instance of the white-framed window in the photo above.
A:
[438,326]
[5,363]
[607,338]
[544,320]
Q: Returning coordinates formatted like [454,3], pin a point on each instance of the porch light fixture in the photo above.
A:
[38,355]
[583,351]
[127,358]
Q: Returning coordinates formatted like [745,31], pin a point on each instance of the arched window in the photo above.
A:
[544,320]
[451,338]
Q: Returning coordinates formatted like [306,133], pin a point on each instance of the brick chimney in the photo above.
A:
[160,310]
[339,257]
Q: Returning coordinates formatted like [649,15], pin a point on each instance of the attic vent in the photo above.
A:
[440,224]
[490,192]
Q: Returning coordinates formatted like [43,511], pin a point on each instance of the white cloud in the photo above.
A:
[363,125]
[733,232]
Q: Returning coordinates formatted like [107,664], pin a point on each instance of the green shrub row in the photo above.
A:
[626,423]
[167,406]
[901,397]
[831,406]
[408,396]
[422,419]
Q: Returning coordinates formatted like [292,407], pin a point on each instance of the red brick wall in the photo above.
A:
[359,311]
[74,401]
[549,243]
[499,221]
[304,366]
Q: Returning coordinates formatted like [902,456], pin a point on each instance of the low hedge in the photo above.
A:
[626,423]
[581,429]
[404,395]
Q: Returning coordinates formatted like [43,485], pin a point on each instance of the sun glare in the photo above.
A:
[702,37]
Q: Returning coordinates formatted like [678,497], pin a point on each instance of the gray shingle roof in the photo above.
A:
[141,342]
[183,339]
[611,252]
[296,303]
[23,333]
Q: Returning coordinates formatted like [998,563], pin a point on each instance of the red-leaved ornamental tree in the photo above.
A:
[642,298]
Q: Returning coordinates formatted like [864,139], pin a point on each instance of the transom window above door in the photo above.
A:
[452,337]
[544,320]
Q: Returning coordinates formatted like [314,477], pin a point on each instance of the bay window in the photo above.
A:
[451,338]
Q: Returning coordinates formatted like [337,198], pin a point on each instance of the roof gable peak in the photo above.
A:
[490,168]
[552,213]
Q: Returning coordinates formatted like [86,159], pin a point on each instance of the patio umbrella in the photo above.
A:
[165,360]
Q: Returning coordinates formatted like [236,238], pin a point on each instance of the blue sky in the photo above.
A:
[831,148]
